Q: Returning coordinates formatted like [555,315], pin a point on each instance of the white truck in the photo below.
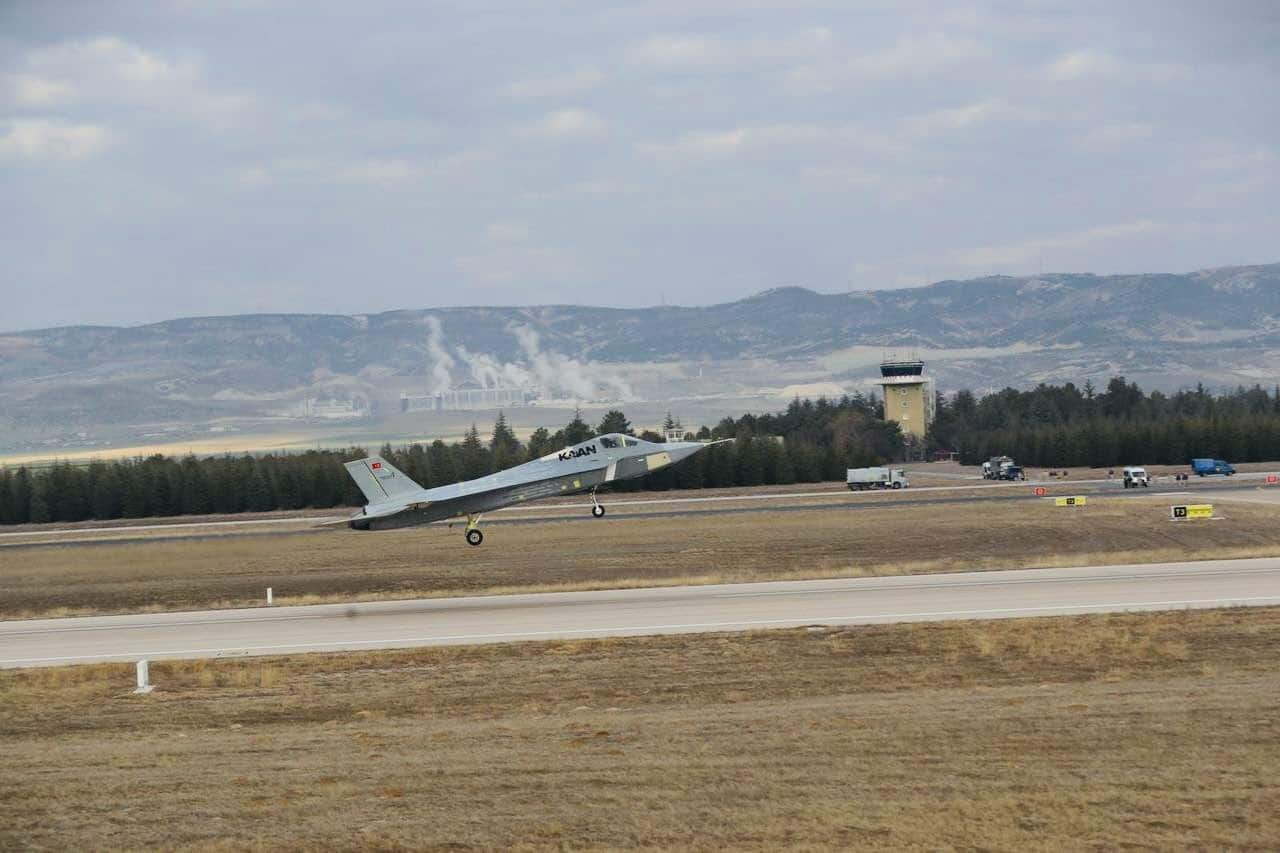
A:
[1135,476]
[861,479]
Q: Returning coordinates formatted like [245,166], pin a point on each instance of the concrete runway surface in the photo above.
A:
[666,610]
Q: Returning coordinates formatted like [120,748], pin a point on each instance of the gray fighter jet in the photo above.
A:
[397,501]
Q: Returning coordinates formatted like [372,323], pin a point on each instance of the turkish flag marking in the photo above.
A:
[376,465]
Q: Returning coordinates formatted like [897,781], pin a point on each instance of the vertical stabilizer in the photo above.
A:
[380,480]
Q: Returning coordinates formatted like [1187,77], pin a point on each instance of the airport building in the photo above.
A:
[467,399]
[334,408]
[909,400]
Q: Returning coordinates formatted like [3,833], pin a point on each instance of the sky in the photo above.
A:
[191,157]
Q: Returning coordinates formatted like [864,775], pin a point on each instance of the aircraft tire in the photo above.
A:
[597,511]
[474,537]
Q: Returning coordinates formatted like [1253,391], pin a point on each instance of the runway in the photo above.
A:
[667,610]
[1246,487]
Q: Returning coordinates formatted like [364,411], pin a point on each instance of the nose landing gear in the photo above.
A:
[596,509]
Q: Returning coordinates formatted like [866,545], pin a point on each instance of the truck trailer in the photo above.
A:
[861,479]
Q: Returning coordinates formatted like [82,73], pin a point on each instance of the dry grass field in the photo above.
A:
[1085,732]
[340,564]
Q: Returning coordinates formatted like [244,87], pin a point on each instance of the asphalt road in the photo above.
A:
[669,610]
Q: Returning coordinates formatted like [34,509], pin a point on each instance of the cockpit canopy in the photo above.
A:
[614,441]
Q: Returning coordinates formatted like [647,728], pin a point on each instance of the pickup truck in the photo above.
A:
[1201,467]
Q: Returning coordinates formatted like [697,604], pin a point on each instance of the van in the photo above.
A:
[1202,467]
[1135,476]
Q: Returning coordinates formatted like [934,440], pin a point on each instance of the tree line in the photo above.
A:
[809,442]
[1066,425]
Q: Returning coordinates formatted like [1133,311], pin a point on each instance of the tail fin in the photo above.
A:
[379,479]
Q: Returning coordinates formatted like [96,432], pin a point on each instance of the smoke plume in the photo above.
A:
[552,374]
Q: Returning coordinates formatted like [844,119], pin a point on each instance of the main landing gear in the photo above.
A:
[596,509]
[474,536]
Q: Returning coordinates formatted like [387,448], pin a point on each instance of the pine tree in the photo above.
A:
[504,445]
[539,443]
[475,460]
[258,496]
[7,513]
[442,466]
[38,511]
[576,431]
[614,421]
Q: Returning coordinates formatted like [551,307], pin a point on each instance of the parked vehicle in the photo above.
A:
[861,479]
[1011,472]
[991,469]
[1135,476]
[1201,467]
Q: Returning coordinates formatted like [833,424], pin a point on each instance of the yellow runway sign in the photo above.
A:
[1191,511]
[1078,500]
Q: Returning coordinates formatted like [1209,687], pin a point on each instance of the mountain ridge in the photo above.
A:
[1220,325]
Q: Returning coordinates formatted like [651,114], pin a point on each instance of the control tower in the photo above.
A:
[908,399]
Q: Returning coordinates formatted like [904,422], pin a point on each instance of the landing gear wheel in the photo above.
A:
[597,511]
[474,537]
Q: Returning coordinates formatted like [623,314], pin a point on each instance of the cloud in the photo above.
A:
[884,188]
[1114,137]
[988,257]
[507,231]
[44,139]
[381,172]
[1090,64]
[920,55]
[566,124]
[688,52]
[33,90]
[1230,156]
[564,85]
[109,70]
[717,144]
[965,117]
[317,111]
[520,263]
[110,61]
[912,56]
[384,173]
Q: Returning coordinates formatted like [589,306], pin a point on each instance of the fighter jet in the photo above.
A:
[397,501]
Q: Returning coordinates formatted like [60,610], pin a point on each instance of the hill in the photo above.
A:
[1219,326]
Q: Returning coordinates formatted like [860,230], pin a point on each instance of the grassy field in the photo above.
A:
[1105,731]
[341,564]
